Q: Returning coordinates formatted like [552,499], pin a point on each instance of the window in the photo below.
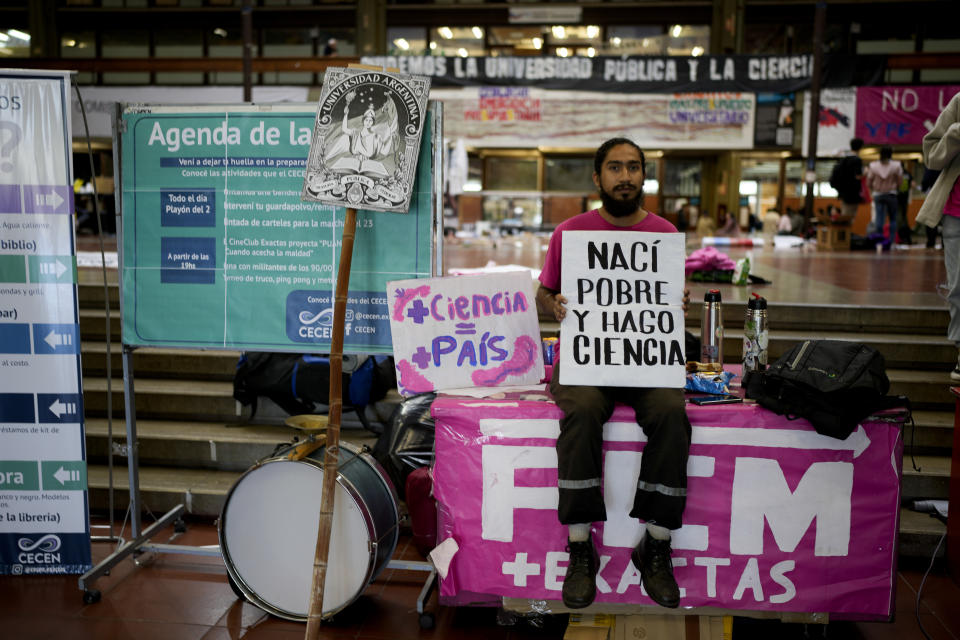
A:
[457,41]
[14,42]
[227,43]
[511,173]
[406,41]
[179,44]
[288,43]
[569,174]
[126,43]
[78,44]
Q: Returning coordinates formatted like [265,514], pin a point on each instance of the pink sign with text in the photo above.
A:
[900,115]
[778,517]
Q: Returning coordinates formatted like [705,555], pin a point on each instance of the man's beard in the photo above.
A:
[620,208]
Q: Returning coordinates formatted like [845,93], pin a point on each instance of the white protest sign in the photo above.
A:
[465,331]
[624,323]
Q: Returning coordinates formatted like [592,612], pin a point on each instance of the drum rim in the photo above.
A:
[365,514]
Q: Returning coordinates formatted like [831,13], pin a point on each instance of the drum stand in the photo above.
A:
[426,617]
[139,542]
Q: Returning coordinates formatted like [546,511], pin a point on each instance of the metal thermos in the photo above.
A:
[711,329]
[755,335]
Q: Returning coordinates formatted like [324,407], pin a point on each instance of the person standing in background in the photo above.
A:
[883,179]
[941,151]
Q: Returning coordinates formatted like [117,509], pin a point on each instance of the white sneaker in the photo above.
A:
[955,374]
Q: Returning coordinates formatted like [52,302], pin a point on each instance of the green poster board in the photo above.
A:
[220,252]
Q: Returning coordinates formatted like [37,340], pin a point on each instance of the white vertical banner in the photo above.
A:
[624,325]
[837,121]
[44,525]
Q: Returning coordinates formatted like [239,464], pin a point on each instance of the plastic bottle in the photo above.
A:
[711,329]
[756,335]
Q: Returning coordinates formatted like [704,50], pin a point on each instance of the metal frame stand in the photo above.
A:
[139,539]
[427,618]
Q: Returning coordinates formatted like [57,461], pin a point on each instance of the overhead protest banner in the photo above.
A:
[366,139]
[466,331]
[640,74]
[900,115]
[500,116]
[624,324]
[837,122]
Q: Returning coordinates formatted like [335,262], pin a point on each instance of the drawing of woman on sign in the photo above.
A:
[367,144]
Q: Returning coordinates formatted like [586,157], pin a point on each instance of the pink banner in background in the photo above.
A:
[778,517]
[900,115]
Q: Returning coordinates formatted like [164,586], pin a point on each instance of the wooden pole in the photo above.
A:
[333,429]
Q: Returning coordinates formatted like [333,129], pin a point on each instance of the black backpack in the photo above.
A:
[298,382]
[833,384]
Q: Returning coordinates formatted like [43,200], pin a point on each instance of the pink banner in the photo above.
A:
[900,115]
[778,517]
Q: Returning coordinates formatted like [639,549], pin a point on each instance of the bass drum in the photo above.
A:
[268,531]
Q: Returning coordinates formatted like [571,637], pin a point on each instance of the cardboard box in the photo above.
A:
[588,626]
[673,627]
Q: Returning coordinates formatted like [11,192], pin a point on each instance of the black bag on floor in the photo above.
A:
[294,381]
[407,442]
[833,384]
[298,382]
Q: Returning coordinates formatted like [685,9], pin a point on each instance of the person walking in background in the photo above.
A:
[941,151]
[883,179]
[847,178]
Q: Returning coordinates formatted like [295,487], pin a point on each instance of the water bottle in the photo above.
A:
[755,335]
[711,329]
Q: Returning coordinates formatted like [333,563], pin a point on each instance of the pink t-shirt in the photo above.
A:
[952,207]
[591,221]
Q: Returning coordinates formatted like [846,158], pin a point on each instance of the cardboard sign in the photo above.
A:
[363,153]
[777,518]
[467,331]
[624,323]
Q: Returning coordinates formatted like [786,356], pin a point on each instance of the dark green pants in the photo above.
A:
[662,489]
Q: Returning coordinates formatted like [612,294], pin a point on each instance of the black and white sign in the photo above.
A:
[624,324]
[641,74]
[363,153]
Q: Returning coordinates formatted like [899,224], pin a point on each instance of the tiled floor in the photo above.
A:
[187,597]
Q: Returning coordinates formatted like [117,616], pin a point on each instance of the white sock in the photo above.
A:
[657,532]
[579,532]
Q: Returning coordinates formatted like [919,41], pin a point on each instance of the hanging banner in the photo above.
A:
[624,323]
[220,252]
[638,74]
[530,117]
[777,518]
[465,331]
[837,121]
[776,117]
[44,522]
[900,115]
